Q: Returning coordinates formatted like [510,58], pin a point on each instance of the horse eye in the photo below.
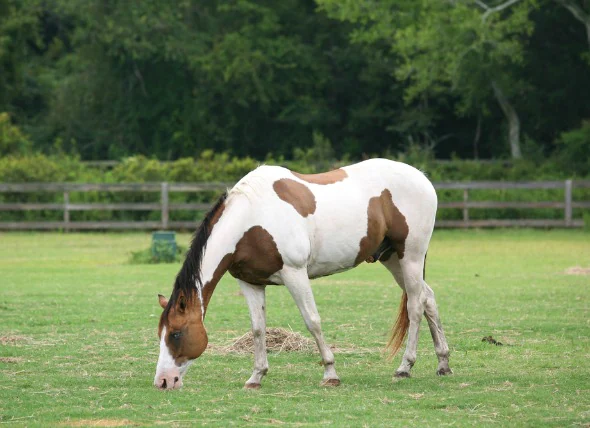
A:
[176,335]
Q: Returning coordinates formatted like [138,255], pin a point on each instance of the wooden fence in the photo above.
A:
[567,204]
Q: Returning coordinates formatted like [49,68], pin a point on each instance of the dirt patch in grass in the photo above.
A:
[99,423]
[13,340]
[12,360]
[577,270]
[277,340]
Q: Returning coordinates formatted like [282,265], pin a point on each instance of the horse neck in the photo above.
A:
[218,255]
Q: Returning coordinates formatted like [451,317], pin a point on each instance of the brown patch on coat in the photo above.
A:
[330,177]
[384,220]
[256,257]
[296,194]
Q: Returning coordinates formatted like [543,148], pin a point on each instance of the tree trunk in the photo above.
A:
[513,121]
[476,137]
[578,12]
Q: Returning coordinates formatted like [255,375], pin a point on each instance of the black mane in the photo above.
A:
[190,273]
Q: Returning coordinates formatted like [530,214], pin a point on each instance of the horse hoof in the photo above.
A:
[444,372]
[252,386]
[401,375]
[330,382]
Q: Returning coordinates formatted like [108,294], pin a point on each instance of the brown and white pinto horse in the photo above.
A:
[276,226]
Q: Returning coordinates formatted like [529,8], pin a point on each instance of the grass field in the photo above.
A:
[78,342]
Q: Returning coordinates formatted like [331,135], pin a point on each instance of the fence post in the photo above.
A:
[568,203]
[66,211]
[465,209]
[164,202]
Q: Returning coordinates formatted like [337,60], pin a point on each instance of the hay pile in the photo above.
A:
[277,340]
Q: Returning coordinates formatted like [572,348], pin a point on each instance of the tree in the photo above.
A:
[19,39]
[581,11]
[108,79]
[175,78]
[12,140]
[466,48]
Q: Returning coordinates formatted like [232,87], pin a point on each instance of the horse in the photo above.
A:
[279,227]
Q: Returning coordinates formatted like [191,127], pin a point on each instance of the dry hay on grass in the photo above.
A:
[99,423]
[577,270]
[277,340]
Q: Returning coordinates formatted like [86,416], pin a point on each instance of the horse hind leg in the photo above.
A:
[436,330]
[419,299]
[297,282]
[410,316]
[255,297]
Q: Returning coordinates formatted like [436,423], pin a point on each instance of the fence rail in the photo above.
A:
[567,204]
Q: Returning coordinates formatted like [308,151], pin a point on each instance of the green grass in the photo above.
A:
[78,339]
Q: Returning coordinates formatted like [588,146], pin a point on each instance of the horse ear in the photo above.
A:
[163,301]
[181,303]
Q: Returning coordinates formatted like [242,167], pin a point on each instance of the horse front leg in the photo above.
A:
[256,299]
[297,282]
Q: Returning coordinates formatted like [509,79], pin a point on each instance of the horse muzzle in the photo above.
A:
[171,379]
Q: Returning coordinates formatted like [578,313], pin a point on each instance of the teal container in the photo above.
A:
[164,245]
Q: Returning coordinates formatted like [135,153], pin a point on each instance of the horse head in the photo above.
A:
[183,338]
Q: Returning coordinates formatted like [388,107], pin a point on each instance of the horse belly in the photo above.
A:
[336,238]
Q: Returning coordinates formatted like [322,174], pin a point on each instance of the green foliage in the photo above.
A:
[138,169]
[41,168]
[171,80]
[163,254]
[416,155]
[320,155]
[574,150]
[12,140]
[459,49]
[221,167]
[20,38]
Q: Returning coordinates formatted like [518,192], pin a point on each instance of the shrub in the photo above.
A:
[574,150]
[222,167]
[12,140]
[162,255]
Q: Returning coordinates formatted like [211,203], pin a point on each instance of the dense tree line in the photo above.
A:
[470,78]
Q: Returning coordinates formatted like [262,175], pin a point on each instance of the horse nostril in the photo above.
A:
[163,386]
[176,379]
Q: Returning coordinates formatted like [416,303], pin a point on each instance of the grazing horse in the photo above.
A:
[276,226]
